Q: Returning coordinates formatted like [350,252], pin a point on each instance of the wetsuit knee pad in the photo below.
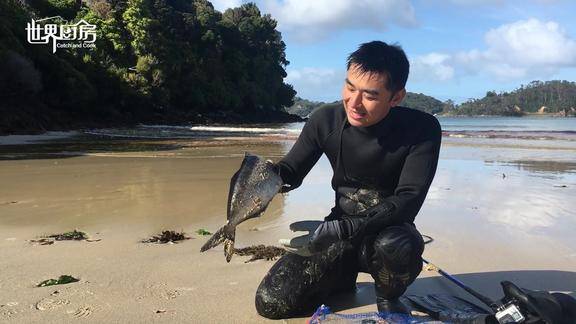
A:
[297,284]
[398,247]
[396,259]
[277,294]
[269,305]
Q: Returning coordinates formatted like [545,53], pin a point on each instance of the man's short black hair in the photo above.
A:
[379,57]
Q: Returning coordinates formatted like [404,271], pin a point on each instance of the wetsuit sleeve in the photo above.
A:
[415,179]
[303,155]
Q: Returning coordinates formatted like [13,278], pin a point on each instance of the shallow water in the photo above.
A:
[521,124]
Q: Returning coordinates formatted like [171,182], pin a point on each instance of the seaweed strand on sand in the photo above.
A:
[261,252]
[167,237]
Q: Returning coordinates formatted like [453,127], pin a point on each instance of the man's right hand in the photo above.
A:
[285,187]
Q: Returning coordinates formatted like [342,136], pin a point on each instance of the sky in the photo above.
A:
[458,49]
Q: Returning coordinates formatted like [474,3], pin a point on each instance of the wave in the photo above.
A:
[244,129]
[192,132]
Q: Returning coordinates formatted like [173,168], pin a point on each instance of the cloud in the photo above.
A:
[433,66]
[313,20]
[320,84]
[222,5]
[493,2]
[521,49]
[524,49]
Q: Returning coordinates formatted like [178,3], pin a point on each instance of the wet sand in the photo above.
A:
[495,212]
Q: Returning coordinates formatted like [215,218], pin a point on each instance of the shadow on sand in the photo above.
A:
[486,283]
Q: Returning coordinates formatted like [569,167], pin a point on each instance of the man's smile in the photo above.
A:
[357,114]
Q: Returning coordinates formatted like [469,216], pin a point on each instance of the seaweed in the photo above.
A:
[74,235]
[43,241]
[167,237]
[261,252]
[203,232]
[64,279]
[69,236]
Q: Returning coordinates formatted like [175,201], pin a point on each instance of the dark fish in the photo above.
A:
[251,190]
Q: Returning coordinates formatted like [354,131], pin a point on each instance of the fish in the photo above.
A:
[252,188]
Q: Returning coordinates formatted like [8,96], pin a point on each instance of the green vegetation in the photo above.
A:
[422,102]
[203,232]
[157,61]
[70,236]
[67,236]
[551,97]
[557,97]
[64,279]
[303,107]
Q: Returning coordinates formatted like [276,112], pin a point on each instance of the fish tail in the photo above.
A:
[229,248]
[225,234]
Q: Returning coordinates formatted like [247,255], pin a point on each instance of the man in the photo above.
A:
[384,159]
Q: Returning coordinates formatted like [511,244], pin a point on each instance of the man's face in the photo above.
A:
[366,99]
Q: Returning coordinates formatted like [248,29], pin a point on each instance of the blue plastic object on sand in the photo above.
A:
[324,315]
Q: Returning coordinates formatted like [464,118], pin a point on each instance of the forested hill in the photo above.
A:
[303,107]
[155,61]
[546,98]
[555,97]
[422,102]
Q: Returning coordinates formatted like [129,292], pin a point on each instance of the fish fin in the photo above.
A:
[233,181]
[225,233]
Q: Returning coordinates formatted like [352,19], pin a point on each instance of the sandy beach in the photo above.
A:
[495,212]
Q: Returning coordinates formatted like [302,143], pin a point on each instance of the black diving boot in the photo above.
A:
[391,306]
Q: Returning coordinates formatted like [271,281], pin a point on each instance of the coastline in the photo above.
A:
[37,138]
[25,125]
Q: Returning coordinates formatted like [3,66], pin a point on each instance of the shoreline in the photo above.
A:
[38,138]
[51,123]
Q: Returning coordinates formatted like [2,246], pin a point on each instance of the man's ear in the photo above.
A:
[398,97]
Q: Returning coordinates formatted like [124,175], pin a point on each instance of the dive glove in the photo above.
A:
[320,235]
[541,306]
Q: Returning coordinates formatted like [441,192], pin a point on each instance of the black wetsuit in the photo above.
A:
[381,177]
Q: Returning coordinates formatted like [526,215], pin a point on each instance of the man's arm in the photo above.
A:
[415,179]
[303,155]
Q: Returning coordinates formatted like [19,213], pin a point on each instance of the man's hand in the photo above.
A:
[320,236]
[285,187]
[301,244]
[541,306]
